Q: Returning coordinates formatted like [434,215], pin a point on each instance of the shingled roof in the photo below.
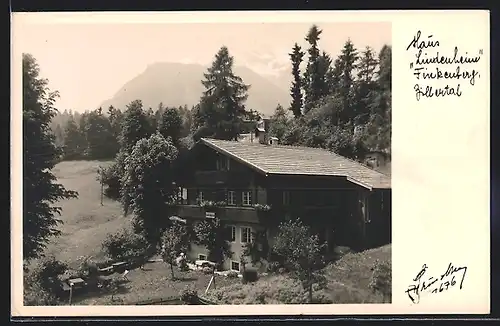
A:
[293,160]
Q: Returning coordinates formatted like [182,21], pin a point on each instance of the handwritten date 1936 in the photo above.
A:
[433,284]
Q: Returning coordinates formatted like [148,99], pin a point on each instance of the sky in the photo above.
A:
[89,62]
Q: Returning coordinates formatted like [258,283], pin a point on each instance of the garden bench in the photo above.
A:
[107,270]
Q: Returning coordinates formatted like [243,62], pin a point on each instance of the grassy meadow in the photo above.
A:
[85,222]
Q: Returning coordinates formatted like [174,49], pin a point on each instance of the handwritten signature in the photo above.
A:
[432,285]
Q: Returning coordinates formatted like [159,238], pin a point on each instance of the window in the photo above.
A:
[232,230]
[247,198]
[182,195]
[246,235]
[286,197]
[200,195]
[223,163]
[235,266]
[202,257]
[231,198]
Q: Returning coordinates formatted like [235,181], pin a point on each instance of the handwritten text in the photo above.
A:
[429,65]
[423,284]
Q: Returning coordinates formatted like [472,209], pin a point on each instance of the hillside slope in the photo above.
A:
[177,84]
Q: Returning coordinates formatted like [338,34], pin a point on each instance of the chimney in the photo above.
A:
[262,131]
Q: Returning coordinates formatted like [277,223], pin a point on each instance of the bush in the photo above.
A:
[35,295]
[46,273]
[208,270]
[250,275]
[183,266]
[273,267]
[272,290]
[381,279]
[232,274]
[111,178]
[126,245]
[87,267]
[189,296]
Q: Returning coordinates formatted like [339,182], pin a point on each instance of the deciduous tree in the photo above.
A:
[302,253]
[174,241]
[40,189]
[148,185]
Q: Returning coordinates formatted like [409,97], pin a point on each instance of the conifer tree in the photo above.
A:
[296,89]
[313,78]
[222,104]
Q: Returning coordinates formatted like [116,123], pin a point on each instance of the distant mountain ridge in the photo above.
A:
[176,84]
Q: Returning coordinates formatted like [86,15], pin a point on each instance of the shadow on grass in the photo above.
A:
[96,292]
[186,278]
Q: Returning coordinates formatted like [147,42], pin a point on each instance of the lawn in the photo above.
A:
[155,282]
[85,222]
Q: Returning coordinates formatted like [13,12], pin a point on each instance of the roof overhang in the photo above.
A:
[267,173]
[235,157]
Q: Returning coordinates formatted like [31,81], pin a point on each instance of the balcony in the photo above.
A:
[211,177]
[204,178]
[227,213]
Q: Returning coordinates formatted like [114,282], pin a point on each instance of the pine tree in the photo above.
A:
[347,63]
[115,117]
[325,71]
[222,104]
[296,89]
[74,141]
[313,78]
[379,137]
[40,191]
[99,136]
[153,123]
[365,85]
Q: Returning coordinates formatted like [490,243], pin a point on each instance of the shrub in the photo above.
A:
[232,274]
[207,270]
[250,275]
[321,298]
[45,275]
[381,279]
[292,295]
[273,267]
[183,266]
[35,295]
[111,178]
[126,245]
[189,296]
[262,208]
[87,267]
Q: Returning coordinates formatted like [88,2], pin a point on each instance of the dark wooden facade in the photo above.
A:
[341,212]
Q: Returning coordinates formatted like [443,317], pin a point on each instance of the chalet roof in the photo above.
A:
[294,160]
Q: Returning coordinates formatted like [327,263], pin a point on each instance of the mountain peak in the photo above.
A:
[176,84]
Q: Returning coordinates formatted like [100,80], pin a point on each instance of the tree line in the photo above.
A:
[343,105]
[95,135]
